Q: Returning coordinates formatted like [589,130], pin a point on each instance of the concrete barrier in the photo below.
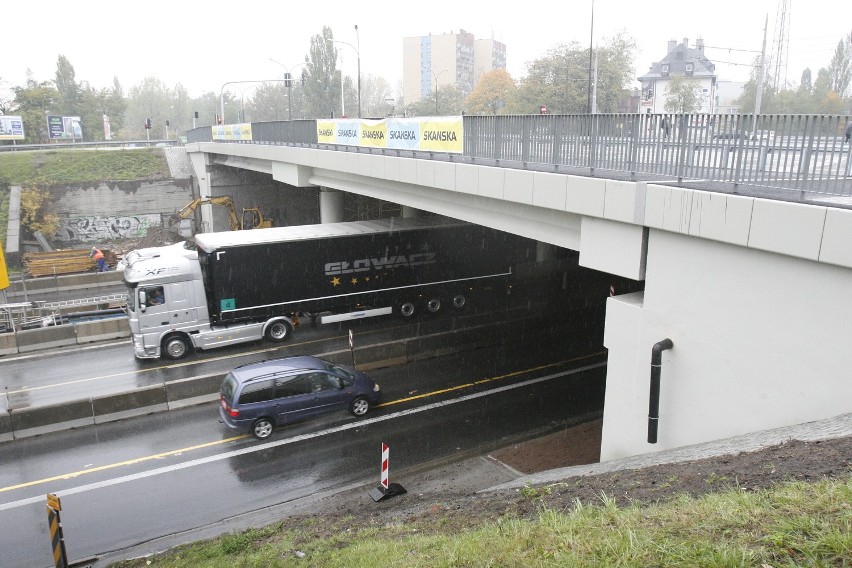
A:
[196,390]
[6,427]
[44,419]
[46,338]
[8,343]
[101,330]
[146,400]
[45,284]
[203,389]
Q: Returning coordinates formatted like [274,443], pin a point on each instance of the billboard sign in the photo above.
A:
[64,128]
[11,128]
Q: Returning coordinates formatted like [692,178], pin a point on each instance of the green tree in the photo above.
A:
[376,97]
[68,88]
[491,93]
[268,103]
[683,95]
[560,79]
[840,68]
[34,102]
[151,99]
[322,80]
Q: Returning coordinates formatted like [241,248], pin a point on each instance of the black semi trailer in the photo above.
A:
[245,285]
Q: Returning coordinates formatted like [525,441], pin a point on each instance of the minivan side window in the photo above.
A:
[259,391]
[290,386]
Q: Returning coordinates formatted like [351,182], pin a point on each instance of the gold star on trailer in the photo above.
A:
[335,281]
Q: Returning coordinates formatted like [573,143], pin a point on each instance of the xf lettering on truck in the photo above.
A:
[160,271]
[366,264]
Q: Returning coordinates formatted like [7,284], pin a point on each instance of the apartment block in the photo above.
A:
[433,61]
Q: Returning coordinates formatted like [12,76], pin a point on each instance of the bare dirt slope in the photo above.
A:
[454,495]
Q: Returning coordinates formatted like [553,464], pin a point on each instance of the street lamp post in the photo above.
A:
[288,82]
[222,92]
[436,76]
[358,53]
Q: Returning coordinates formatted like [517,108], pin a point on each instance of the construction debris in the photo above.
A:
[38,264]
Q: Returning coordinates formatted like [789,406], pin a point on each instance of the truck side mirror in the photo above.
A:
[143,300]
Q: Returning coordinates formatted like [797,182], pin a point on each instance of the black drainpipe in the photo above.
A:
[654,402]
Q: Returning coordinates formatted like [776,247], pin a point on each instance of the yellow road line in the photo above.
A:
[244,436]
[119,464]
[484,381]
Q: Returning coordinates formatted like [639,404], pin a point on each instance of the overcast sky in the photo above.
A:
[203,45]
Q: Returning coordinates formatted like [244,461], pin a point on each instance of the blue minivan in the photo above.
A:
[257,397]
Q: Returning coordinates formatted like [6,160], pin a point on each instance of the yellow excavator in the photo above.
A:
[252,216]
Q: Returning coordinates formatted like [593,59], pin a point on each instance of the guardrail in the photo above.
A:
[787,157]
[99,144]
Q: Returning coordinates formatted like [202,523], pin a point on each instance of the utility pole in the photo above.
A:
[591,43]
[760,78]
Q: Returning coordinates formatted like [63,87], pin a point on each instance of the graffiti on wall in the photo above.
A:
[97,228]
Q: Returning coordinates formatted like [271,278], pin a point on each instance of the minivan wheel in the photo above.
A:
[262,428]
[359,406]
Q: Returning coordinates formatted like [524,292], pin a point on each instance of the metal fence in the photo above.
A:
[789,157]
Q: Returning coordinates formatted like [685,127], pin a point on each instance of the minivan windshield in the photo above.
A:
[338,370]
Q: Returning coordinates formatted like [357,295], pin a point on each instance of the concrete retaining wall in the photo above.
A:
[202,389]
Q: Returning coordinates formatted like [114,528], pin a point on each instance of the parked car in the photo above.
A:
[257,397]
[732,135]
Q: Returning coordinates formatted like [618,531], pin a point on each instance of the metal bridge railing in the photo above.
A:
[788,157]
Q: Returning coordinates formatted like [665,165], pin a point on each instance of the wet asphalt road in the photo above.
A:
[140,479]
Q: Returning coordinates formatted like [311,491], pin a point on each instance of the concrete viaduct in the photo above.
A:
[744,322]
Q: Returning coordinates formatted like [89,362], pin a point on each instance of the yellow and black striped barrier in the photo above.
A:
[54,523]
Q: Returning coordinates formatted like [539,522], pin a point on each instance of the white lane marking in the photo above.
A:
[293,440]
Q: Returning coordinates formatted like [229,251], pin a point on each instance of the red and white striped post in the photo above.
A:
[385,459]
[386,489]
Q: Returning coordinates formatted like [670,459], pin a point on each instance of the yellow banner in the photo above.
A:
[325,132]
[441,135]
[374,133]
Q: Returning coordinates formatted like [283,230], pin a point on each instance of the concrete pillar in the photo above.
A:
[331,205]
[544,251]
[410,212]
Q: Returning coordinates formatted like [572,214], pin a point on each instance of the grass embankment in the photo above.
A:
[793,524]
[49,167]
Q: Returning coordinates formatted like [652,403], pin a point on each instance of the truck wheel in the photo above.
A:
[407,310]
[359,406]
[433,306]
[278,331]
[175,347]
[262,428]
[459,301]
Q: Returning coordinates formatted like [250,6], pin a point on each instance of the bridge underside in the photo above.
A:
[748,290]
